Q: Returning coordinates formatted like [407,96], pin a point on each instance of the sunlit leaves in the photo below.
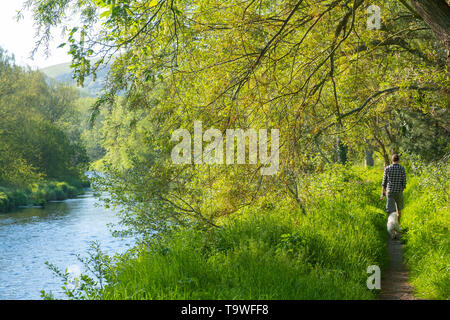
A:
[152,3]
[310,70]
[39,136]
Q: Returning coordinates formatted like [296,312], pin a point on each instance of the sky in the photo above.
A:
[18,38]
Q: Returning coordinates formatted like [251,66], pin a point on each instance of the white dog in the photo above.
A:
[393,226]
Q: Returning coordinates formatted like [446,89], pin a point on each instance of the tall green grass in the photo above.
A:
[278,253]
[426,220]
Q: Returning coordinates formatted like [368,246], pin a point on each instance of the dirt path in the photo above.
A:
[394,284]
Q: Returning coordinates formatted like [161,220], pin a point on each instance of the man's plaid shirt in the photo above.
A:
[394,178]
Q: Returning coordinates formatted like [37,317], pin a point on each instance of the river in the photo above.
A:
[57,233]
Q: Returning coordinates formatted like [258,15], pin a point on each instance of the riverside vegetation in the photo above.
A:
[340,94]
[268,251]
[276,251]
[39,193]
[42,153]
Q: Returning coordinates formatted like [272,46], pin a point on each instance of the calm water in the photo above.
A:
[57,233]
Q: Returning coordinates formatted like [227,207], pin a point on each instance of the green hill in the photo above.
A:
[63,73]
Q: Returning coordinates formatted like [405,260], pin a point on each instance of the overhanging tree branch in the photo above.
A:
[369,99]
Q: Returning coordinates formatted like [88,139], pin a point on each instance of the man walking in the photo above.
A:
[394,182]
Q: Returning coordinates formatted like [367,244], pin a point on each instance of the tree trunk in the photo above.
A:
[436,14]
[369,162]
[341,151]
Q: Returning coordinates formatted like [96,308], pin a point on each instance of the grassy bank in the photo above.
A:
[276,253]
[426,219]
[274,250]
[40,193]
[271,255]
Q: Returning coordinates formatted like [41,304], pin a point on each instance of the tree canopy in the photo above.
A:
[333,87]
[39,130]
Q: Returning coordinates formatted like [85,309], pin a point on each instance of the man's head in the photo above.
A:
[395,158]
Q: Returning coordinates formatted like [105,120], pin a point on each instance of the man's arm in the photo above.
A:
[384,183]
[404,179]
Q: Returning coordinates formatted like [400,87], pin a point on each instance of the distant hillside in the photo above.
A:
[63,73]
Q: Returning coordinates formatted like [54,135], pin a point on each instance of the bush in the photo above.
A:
[4,202]
[10,199]
[20,198]
[63,186]
[51,191]
[78,182]
[36,194]
[72,192]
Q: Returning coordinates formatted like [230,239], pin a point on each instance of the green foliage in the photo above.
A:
[91,131]
[12,198]
[247,65]
[51,191]
[37,194]
[423,134]
[40,135]
[277,253]
[314,71]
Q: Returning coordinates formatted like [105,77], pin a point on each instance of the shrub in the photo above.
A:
[4,202]
[10,199]
[72,192]
[36,194]
[63,186]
